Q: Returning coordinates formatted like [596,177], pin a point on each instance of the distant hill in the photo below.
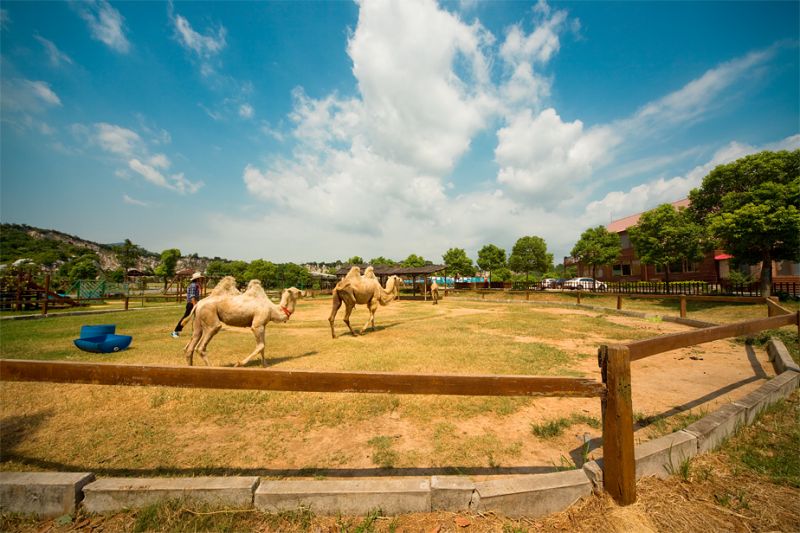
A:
[51,247]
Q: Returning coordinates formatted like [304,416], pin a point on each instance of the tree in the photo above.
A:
[127,255]
[666,236]
[414,260]
[458,263]
[380,260]
[169,261]
[355,260]
[85,267]
[265,271]
[597,247]
[530,255]
[490,257]
[293,275]
[751,207]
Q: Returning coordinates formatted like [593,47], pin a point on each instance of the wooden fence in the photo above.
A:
[614,391]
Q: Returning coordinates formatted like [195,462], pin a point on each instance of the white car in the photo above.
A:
[585,284]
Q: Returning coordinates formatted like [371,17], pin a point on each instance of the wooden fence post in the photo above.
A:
[683,306]
[619,302]
[46,293]
[579,297]
[619,470]
[127,298]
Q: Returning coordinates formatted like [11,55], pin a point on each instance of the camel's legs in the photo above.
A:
[337,303]
[435,295]
[258,331]
[347,311]
[372,305]
[197,332]
[208,334]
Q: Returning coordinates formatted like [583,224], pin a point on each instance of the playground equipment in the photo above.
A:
[102,339]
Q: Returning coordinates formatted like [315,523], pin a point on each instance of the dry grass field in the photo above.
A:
[169,431]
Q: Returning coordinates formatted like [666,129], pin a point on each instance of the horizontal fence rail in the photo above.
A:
[296,380]
[665,343]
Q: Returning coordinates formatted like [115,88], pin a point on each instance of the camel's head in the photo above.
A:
[393,284]
[289,298]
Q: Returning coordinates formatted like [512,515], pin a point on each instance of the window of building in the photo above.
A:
[625,240]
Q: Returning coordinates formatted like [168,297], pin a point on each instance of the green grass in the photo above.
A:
[770,446]
[556,427]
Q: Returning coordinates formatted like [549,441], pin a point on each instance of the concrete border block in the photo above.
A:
[347,496]
[451,493]
[594,471]
[533,495]
[779,355]
[114,494]
[714,428]
[46,494]
[770,392]
[662,457]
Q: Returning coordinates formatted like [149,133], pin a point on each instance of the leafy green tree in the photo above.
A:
[356,260]
[490,257]
[85,267]
[265,271]
[597,247]
[127,255]
[216,269]
[530,255]
[293,275]
[117,275]
[380,260]
[502,274]
[458,263]
[413,260]
[666,236]
[752,209]
[169,261]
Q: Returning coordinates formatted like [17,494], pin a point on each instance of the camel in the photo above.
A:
[251,309]
[435,292]
[356,289]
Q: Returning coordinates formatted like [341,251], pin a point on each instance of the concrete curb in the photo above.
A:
[113,494]
[533,495]
[47,494]
[780,357]
[714,429]
[350,496]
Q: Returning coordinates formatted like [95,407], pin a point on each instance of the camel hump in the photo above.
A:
[225,287]
[254,289]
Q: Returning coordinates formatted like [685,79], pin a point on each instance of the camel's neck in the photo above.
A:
[391,292]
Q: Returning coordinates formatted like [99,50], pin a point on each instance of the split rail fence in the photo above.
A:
[614,391]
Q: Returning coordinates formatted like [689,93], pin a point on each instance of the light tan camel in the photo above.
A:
[251,309]
[435,292]
[356,289]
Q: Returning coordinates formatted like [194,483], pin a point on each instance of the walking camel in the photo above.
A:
[435,292]
[356,289]
[251,309]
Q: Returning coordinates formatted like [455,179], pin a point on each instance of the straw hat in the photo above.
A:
[196,275]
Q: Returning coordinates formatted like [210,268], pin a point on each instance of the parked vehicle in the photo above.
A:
[585,284]
[549,283]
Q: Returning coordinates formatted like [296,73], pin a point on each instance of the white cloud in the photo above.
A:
[56,56]
[159,161]
[697,97]
[149,173]
[27,96]
[537,152]
[132,201]
[246,111]
[203,45]
[117,140]
[106,24]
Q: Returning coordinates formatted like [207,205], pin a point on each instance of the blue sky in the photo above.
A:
[315,131]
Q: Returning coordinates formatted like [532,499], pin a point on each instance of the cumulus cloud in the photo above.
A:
[105,23]
[537,152]
[56,56]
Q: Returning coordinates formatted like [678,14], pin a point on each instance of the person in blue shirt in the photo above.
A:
[192,297]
